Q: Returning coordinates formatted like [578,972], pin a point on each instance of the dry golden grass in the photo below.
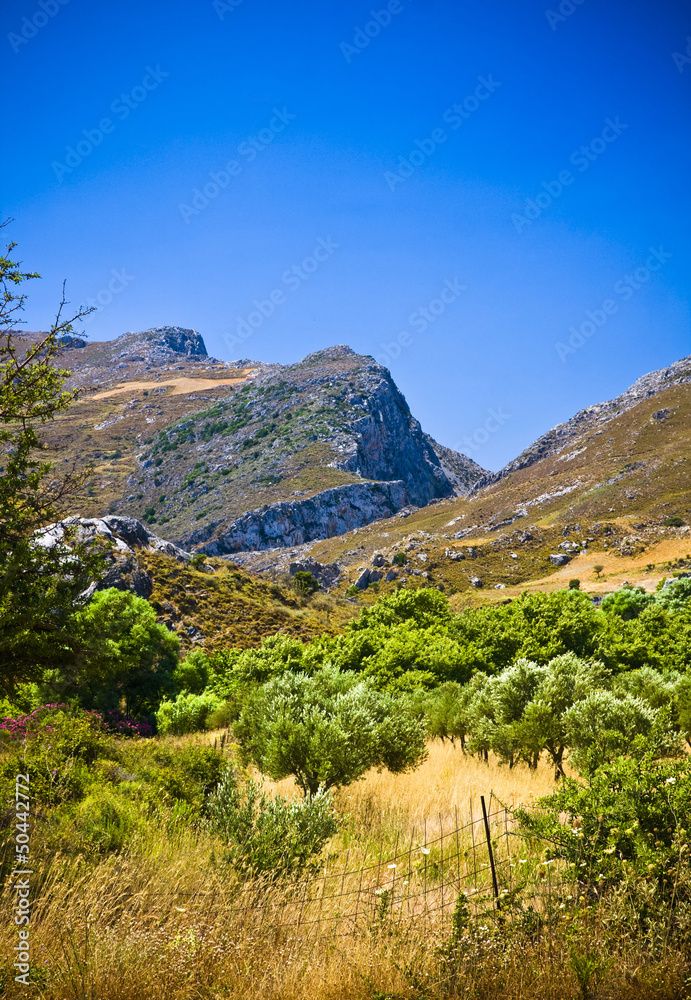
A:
[616,569]
[167,920]
[162,921]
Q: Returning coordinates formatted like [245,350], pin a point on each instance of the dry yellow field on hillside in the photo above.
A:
[616,569]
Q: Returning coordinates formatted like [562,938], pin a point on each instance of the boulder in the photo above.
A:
[559,559]
[327,574]
[366,577]
[476,581]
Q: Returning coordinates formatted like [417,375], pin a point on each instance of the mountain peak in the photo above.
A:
[174,338]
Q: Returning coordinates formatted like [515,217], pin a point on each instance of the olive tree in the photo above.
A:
[327,730]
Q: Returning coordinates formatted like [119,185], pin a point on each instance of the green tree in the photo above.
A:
[327,730]
[36,593]
[627,603]
[542,728]
[676,596]
[602,726]
[126,658]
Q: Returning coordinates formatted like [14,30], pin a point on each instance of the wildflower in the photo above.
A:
[392,866]
[671,781]
[424,850]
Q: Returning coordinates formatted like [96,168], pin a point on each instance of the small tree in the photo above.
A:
[598,569]
[126,658]
[266,836]
[39,584]
[574,584]
[327,730]
[305,583]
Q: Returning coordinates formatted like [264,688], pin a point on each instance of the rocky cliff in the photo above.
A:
[288,523]
[180,439]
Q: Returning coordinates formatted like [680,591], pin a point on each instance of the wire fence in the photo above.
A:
[418,884]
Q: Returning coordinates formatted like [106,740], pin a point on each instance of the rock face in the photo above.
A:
[386,442]
[288,523]
[251,437]
[123,536]
[462,472]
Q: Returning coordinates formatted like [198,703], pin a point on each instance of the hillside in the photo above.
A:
[321,465]
[246,455]
[597,491]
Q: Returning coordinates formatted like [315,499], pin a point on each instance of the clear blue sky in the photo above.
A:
[307,123]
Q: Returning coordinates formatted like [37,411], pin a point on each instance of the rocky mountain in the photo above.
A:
[320,465]
[247,455]
[603,499]
[593,419]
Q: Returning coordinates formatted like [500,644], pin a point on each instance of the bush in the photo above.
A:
[193,673]
[165,771]
[103,821]
[126,657]
[187,714]
[270,836]
[55,745]
[674,522]
[627,603]
[574,584]
[400,559]
[305,583]
[630,816]
[676,596]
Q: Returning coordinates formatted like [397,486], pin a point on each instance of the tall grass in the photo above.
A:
[165,919]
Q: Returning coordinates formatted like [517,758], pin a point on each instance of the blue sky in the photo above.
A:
[430,153]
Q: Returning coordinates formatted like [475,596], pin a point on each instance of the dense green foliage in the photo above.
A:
[326,730]
[626,815]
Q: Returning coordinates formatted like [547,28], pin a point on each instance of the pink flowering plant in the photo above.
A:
[55,745]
